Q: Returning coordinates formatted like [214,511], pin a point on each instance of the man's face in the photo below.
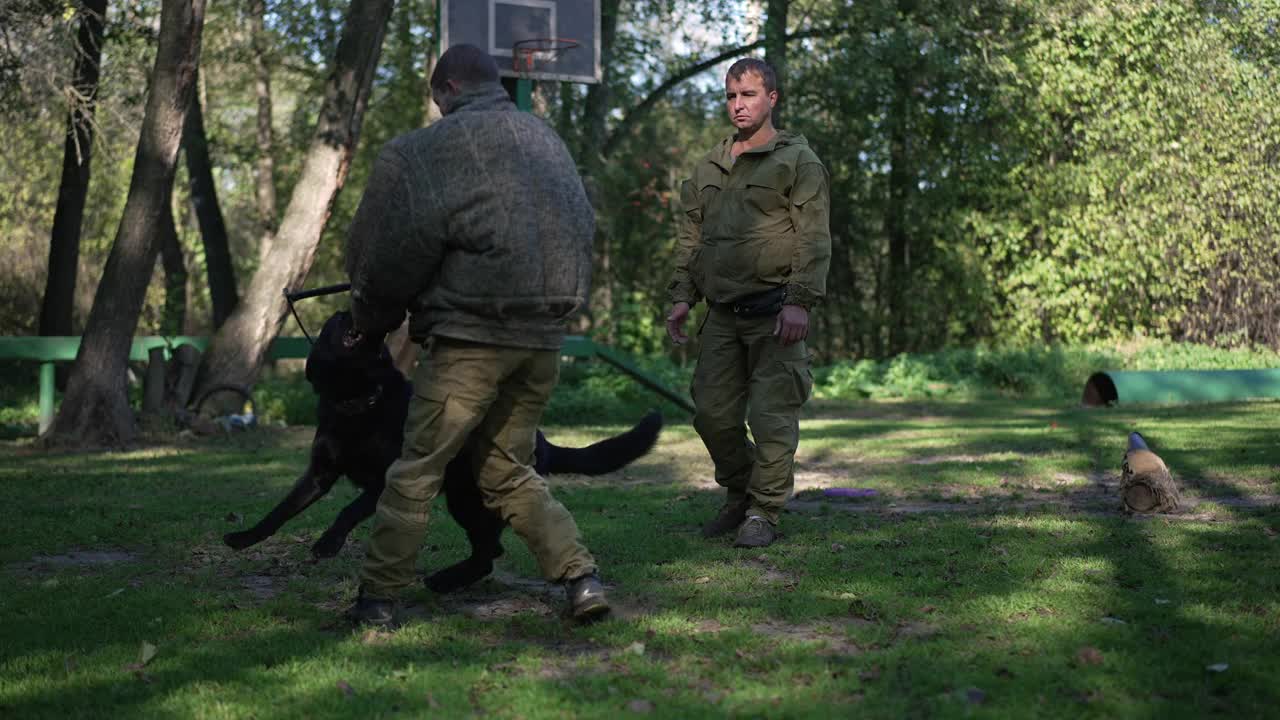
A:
[444,95]
[749,103]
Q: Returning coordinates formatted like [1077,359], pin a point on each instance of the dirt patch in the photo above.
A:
[79,559]
[833,641]
[502,596]
[261,587]
[770,573]
[1094,494]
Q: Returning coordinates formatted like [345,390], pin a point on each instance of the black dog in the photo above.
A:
[363,403]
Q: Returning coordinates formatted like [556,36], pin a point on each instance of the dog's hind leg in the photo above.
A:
[460,574]
[317,480]
[360,509]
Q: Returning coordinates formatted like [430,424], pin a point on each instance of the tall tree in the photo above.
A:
[775,49]
[95,409]
[64,243]
[904,56]
[213,231]
[264,174]
[173,317]
[239,349]
[594,117]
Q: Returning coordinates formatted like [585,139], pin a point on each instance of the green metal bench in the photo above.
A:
[50,350]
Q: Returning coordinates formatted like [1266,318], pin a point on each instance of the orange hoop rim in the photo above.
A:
[524,52]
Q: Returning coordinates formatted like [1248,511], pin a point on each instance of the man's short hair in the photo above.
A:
[757,66]
[466,65]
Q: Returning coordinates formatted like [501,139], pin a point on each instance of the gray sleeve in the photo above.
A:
[391,259]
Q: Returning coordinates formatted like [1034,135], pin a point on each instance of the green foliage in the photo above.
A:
[1002,172]
[1145,198]
[285,398]
[592,393]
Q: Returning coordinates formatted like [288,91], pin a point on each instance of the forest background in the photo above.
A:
[1004,173]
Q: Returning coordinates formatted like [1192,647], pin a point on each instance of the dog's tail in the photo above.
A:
[607,455]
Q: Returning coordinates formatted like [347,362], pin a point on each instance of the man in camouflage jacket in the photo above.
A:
[479,227]
[755,241]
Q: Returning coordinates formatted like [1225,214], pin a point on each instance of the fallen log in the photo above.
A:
[1146,486]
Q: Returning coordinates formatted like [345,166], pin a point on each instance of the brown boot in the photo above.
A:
[586,598]
[729,517]
[755,532]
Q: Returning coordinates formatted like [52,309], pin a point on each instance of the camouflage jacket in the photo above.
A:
[754,223]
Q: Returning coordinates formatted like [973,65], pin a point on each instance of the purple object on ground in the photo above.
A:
[849,492]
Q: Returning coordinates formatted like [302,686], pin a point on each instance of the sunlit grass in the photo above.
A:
[991,575]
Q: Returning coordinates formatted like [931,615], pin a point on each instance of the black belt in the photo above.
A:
[769,302]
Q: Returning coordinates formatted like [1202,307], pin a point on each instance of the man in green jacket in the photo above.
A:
[755,241]
[479,227]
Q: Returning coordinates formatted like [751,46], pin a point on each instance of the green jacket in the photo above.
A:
[753,224]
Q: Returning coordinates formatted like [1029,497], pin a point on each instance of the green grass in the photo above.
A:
[990,577]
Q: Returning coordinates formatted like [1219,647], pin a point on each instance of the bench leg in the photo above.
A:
[46,396]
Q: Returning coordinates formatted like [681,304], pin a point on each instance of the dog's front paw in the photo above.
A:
[240,540]
[457,576]
[327,546]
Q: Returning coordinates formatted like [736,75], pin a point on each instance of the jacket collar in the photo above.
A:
[722,154]
[482,97]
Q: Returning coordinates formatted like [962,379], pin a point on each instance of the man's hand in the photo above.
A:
[792,324]
[675,323]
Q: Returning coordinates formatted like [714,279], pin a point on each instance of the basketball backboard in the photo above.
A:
[496,26]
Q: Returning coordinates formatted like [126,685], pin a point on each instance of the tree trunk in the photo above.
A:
[895,223]
[239,349]
[595,113]
[590,153]
[64,243]
[95,410]
[213,231]
[174,317]
[264,176]
[775,49]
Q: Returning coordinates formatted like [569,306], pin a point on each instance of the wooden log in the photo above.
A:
[1146,486]
[182,375]
[153,384]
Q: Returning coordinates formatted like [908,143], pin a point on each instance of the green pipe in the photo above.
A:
[524,94]
[46,396]
[1123,387]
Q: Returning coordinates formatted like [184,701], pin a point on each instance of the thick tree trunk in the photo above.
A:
[265,173]
[237,352]
[95,410]
[64,243]
[775,49]
[213,231]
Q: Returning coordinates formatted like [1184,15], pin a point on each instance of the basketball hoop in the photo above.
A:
[526,54]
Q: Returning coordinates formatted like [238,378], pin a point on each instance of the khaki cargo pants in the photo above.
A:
[497,393]
[745,374]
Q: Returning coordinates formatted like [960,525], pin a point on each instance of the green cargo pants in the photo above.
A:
[497,393]
[745,374]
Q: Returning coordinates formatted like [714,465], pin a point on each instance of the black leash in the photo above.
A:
[290,297]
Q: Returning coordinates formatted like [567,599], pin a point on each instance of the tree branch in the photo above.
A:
[644,106]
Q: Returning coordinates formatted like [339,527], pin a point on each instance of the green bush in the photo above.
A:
[285,398]
[593,393]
